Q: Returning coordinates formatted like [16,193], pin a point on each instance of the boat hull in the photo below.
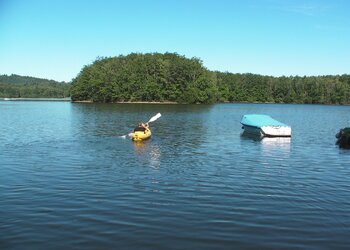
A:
[276,131]
[250,130]
[141,135]
[268,131]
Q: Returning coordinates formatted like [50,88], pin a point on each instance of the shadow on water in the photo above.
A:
[119,119]
[178,124]
[181,131]
[251,137]
[142,108]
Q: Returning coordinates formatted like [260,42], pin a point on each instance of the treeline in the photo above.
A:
[293,89]
[171,77]
[175,78]
[15,86]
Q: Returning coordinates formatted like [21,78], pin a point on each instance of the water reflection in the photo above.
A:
[271,145]
[249,136]
[148,152]
[64,168]
[119,119]
[276,141]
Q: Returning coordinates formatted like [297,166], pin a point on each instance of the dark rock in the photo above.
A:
[343,138]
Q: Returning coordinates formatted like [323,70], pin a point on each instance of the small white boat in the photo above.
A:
[264,125]
[7,99]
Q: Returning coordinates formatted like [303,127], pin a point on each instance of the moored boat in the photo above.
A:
[264,125]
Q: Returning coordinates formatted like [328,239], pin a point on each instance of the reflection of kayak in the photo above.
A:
[141,135]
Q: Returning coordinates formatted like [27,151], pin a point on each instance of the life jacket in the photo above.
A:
[140,128]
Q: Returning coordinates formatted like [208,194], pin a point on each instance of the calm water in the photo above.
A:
[67,180]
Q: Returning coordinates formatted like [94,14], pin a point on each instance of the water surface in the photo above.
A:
[67,180]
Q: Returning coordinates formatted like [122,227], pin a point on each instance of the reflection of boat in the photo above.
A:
[141,135]
[276,141]
[271,147]
[264,125]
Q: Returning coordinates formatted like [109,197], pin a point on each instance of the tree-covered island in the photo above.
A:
[156,77]
[146,77]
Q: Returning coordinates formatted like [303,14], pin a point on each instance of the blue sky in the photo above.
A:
[55,39]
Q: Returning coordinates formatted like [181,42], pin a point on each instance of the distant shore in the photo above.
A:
[67,99]
[129,102]
[144,102]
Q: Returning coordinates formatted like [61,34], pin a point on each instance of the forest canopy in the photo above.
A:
[292,89]
[175,78]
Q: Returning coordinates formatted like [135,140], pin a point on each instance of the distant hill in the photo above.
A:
[16,86]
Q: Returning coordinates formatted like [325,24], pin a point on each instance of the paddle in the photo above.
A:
[153,119]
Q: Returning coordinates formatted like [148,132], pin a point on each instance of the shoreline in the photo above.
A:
[36,99]
[129,102]
[156,102]
[225,102]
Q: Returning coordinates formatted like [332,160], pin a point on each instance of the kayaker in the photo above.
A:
[141,127]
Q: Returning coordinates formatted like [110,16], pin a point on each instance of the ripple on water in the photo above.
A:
[68,180]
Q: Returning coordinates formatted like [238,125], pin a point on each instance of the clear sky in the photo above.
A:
[55,39]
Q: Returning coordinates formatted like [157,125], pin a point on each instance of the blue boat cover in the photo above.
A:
[255,120]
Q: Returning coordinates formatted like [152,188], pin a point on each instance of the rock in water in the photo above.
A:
[343,138]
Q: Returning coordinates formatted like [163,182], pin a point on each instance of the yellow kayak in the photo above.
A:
[141,135]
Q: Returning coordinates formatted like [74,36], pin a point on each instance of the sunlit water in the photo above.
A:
[68,180]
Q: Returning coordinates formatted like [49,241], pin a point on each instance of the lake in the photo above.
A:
[68,180]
